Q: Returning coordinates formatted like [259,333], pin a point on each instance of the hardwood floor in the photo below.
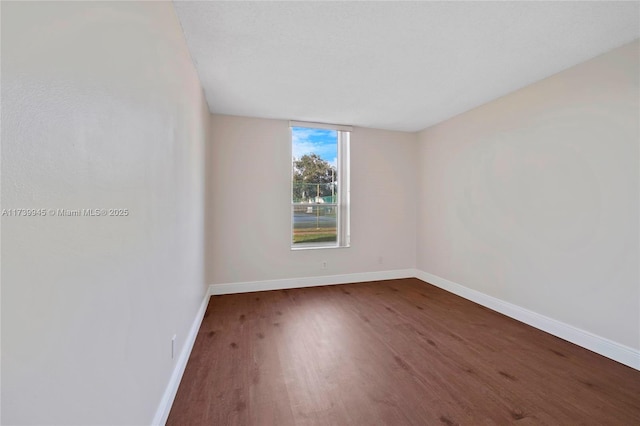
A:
[398,352]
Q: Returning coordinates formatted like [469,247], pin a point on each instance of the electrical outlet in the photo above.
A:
[380,260]
[324,264]
[173,347]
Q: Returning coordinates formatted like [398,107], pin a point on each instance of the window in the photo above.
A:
[319,185]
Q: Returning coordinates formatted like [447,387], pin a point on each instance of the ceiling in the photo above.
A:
[388,65]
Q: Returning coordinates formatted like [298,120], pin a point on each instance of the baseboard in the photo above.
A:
[605,347]
[250,286]
[600,345]
[162,413]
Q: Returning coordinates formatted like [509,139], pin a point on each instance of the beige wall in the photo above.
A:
[250,219]
[533,198]
[101,108]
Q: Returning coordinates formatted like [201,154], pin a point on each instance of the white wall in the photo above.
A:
[250,204]
[533,198]
[101,108]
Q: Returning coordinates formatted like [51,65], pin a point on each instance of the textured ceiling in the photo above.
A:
[389,65]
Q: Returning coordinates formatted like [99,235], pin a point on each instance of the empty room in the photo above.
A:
[320,213]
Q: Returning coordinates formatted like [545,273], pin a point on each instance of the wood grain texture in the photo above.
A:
[397,352]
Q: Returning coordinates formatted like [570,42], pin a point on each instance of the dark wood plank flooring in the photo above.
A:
[398,352]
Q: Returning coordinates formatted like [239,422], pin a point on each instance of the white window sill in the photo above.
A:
[313,246]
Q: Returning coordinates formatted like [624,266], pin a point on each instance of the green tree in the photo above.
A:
[313,176]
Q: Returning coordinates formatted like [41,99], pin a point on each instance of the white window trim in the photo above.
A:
[344,195]
[343,224]
[325,126]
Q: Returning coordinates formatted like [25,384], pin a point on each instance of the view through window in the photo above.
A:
[319,188]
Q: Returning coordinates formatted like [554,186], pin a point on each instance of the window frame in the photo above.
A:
[342,204]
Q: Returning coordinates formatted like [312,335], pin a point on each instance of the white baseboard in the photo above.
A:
[605,347]
[162,413]
[250,286]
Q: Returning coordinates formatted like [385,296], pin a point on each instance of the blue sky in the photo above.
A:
[319,141]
